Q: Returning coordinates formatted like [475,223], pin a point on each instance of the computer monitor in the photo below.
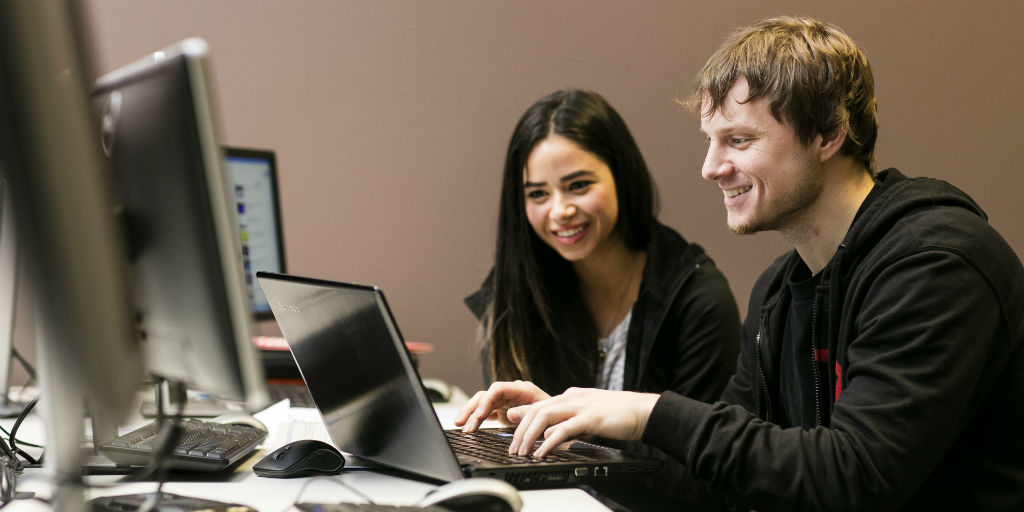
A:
[176,200]
[73,251]
[258,210]
[9,281]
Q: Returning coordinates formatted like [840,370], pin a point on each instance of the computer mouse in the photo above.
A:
[476,495]
[306,457]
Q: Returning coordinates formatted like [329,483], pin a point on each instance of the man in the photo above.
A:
[882,360]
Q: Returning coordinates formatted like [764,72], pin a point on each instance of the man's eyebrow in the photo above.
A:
[568,177]
[730,127]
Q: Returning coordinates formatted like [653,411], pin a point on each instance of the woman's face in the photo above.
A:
[570,199]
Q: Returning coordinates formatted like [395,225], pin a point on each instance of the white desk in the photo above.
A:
[277,495]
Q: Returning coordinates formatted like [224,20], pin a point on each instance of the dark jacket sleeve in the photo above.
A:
[912,384]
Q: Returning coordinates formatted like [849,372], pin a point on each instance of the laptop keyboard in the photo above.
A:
[492,446]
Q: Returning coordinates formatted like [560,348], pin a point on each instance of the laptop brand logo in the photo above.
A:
[291,308]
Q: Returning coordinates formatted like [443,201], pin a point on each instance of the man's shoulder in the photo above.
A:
[944,228]
[949,227]
[910,214]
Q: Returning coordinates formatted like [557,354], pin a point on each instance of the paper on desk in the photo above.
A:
[286,424]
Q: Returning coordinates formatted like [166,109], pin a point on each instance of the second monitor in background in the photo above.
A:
[258,210]
[253,174]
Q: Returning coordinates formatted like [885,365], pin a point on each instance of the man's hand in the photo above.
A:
[577,412]
[494,403]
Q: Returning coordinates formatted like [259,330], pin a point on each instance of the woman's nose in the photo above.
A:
[565,209]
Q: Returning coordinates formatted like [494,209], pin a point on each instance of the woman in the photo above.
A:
[588,288]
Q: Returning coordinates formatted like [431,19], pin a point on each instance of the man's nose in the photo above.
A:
[716,164]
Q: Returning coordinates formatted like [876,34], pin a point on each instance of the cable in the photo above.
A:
[23,443]
[8,452]
[14,432]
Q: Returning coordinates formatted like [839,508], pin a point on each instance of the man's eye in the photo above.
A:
[739,141]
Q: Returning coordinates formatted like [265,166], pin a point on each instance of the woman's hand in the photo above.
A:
[598,412]
[493,404]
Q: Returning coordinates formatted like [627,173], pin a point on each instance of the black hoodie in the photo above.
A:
[685,332]
[919,346]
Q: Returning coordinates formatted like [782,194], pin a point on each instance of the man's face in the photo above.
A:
[770,180]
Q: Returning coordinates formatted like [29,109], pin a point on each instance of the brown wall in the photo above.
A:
[390,118]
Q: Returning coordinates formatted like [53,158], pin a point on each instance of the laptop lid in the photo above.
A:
[362,380]
[348,349]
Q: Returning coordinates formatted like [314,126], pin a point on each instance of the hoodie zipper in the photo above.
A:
[760,370]
[814,362]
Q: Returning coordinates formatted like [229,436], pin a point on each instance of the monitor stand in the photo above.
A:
[197,405]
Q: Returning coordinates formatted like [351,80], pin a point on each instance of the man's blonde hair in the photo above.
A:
[813,75]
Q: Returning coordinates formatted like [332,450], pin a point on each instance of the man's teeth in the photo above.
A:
[569,232]
[736,191]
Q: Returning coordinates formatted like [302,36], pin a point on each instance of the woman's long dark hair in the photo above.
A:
[538,327]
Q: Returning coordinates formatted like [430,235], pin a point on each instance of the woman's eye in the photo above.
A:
[535,194]
[579,185]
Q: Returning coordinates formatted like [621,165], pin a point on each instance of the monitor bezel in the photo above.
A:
[270,157]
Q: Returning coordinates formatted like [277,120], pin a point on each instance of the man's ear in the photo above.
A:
[831,142]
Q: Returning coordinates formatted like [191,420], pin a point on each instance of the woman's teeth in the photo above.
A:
[569,232]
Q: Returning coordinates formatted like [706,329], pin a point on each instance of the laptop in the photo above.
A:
[351,354]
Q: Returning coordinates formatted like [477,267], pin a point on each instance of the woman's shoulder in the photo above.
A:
[478,301]
[670,249]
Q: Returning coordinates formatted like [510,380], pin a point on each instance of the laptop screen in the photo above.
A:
[355,364]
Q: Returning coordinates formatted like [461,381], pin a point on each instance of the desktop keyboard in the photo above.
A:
[202,445]
[134,502]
